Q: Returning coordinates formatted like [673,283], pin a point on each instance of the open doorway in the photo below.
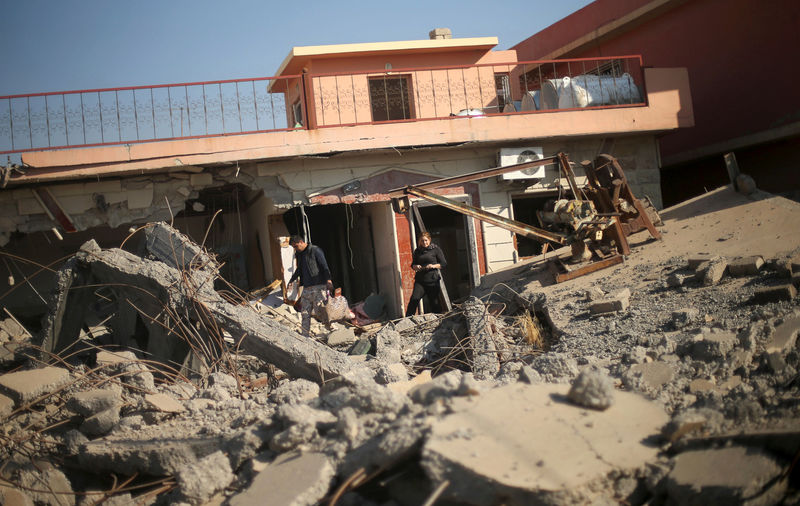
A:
[455,235]
[359,245]
[524,208]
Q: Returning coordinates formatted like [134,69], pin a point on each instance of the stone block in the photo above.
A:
[712,272]
[701,385]
[748,266]
[107,186]
[342,337]
[76,204]
[648,377]
[618,302]
[774,294]
[25,386]
[67,190]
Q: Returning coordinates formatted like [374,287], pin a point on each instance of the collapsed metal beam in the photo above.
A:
[514,226]
[481,174]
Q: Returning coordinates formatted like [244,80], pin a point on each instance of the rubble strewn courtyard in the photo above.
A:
[673,378]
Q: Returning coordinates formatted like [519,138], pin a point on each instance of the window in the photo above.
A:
[503,90]
[389,98]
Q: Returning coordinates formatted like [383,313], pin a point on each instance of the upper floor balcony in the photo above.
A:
[158,127]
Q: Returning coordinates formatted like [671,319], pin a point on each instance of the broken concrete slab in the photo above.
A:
[154,456]
[25,386]
[747,266]
[485,361]
[178,251]
[164,403]
[735,475]
[14,497]
[550,449]
[292,479]
[774,293]
[619,301]
[296,391]
[268,339]
[784,336]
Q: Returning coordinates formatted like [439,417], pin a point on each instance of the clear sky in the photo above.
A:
[61,45]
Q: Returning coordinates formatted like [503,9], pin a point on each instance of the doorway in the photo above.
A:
[524,208]
[455,234]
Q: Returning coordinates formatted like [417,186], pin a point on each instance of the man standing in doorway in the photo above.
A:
[315,278]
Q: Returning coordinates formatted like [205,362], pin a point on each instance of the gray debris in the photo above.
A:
[101,423]
[25,386]
[555,367]
[388,345]
[684,316]
[200,480]
[296,391]
[592,389]
[90,402]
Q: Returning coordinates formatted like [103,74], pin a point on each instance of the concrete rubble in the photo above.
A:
[669,379]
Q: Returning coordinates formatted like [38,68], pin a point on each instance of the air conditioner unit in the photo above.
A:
[513,156]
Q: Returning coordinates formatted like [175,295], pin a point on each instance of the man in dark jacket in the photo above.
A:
[315,278]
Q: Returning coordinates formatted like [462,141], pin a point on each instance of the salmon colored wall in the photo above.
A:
[741,82]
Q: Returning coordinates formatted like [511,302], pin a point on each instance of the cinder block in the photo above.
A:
[203,179]
[775,293]
[29,206]
[748,266]
[76,204]
[141,198]
[619,302]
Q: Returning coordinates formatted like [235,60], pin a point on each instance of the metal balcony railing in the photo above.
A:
[413,94]
[141,113]
[130,115]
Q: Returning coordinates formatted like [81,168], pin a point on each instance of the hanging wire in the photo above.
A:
[349,219]
[306,225]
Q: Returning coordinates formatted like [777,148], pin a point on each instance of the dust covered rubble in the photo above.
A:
[512,397]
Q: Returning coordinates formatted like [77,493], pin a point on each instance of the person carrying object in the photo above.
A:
[427,260]
[315,278]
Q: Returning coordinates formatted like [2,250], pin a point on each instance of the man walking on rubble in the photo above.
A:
[315,278]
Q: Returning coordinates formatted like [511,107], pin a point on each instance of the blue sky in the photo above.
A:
[61,45]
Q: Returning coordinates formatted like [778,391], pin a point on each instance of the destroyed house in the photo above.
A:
[730,65]
[315,150]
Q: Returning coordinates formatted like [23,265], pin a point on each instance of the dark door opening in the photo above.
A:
[449,230]
[524,208]
[345,233]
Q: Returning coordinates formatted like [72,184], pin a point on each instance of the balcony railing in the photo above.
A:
[216,108]
[414,94]
[139,114]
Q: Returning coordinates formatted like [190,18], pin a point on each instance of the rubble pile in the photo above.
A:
[672,378]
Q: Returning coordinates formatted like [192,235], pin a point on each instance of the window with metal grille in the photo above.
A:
[389,98]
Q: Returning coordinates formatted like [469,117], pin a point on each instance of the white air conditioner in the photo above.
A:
[513,156]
